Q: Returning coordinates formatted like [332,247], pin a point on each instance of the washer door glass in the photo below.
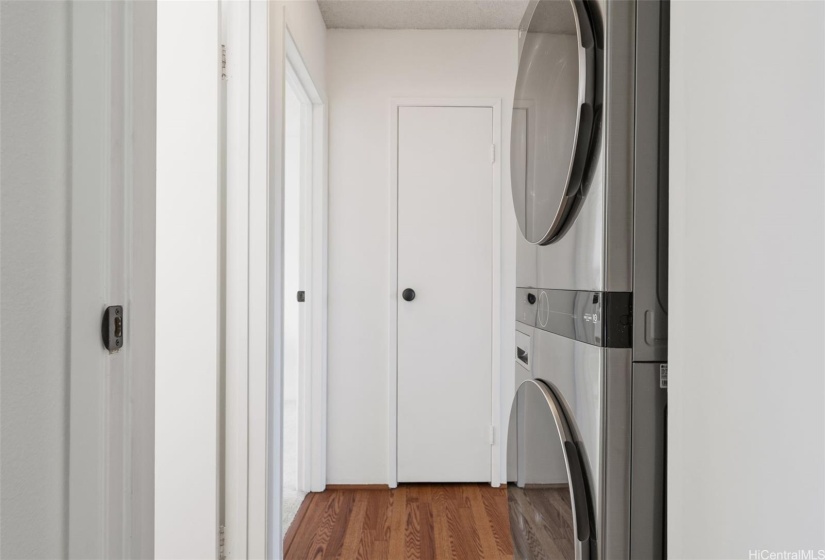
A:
[553,116]
[547,492]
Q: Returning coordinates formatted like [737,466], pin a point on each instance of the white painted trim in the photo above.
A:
[89,510]
[312,466]
[495,450]
[111,417]
[495,374]
[274,328]
[264,49]
[141,275]
[235,27]
[305,342]
[392,326]
[319,302]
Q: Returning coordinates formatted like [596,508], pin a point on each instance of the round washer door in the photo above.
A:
[555,116]
[548,492]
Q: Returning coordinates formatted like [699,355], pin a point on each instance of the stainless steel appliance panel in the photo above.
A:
[651,185]
[576,261]
[647,463]
[615,473]
[576,371]
[618,136]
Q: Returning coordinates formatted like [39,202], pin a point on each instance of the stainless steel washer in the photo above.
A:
[586,450]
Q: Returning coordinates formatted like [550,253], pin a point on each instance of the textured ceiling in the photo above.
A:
[423,14]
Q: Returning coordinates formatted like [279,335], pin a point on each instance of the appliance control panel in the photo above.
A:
[600,318]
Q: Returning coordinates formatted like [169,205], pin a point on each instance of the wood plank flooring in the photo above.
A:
[415,522]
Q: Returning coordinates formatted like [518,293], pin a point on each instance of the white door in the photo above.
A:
[445,185]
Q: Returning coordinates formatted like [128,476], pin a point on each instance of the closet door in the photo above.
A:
[445,260]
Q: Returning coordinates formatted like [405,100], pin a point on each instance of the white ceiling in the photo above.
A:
[423,14]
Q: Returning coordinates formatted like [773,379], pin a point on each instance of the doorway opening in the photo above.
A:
[297,129]
[297,271]
[303,467]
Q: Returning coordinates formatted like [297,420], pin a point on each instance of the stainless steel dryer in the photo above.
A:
[586,447]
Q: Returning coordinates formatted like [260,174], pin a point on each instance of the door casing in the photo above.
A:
[111,432]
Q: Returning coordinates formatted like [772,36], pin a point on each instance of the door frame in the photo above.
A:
[259,48]
[110,445]
[392,325]
[313,252]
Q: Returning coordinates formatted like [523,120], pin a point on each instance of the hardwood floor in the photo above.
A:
[415,521]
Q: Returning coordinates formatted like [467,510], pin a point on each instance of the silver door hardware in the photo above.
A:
[663,376]
[302,296]
[112,328]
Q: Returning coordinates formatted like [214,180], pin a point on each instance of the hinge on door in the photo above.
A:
[223,62]
[222,542]
[492,435]
[663,376]
[493,153]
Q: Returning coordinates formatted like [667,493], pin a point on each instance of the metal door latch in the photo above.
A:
[301,296]
[112,328]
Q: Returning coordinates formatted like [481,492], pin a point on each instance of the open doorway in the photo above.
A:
[297,272]
[303,428]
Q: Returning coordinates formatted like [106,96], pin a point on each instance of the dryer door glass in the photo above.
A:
[553,116]
[548,493]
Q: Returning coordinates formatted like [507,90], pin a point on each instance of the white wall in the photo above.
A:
[34,301]
[188,237]
[365,69]
[746,427]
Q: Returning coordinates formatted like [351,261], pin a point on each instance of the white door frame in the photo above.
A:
[312,419]
[259,49]
[111,417]
[392,326]
[235,21]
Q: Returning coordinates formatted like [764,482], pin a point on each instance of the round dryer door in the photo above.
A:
[547,491]
[555,115]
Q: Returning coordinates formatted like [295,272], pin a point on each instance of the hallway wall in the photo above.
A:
[365,69]
[746,425]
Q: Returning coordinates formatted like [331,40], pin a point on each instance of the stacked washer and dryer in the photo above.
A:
[586,442]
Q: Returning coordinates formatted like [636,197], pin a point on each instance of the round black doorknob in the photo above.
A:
[531,298]
[408,294]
